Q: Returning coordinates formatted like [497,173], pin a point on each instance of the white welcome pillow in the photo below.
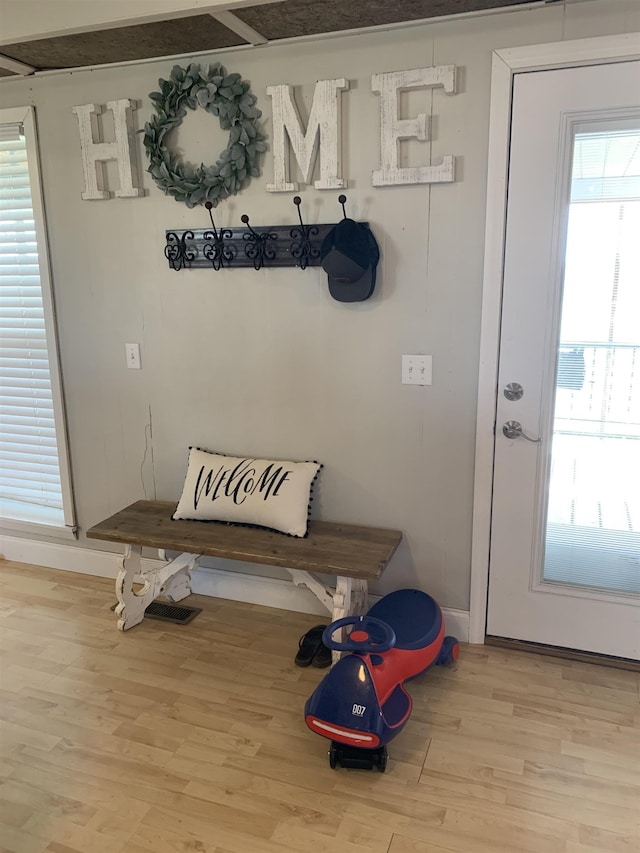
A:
[244,490]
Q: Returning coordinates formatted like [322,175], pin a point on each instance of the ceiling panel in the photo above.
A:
[309,17]
[197,34]
[203,33]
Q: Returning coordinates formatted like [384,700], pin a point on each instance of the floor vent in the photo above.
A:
[177,613]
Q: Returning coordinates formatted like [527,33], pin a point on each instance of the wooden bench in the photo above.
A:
[354,554]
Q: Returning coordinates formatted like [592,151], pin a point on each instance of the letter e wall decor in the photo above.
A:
[393,129]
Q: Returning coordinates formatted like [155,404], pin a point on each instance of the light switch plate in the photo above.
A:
[416,369]
[133,356]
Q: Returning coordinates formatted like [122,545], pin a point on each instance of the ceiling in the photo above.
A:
[192,32]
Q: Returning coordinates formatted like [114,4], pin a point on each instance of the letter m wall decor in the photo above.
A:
[323,126]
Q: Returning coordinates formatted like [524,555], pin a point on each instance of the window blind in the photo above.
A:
[606,166]
[29,464]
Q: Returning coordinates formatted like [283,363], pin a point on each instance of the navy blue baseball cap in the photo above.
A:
[350,255]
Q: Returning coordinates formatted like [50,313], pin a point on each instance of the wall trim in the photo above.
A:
[217,583]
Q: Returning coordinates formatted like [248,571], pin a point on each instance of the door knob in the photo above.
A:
[513,429]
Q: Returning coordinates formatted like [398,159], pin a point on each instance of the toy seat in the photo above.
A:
[414,616]
[416,620]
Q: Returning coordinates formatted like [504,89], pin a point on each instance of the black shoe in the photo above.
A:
[309,645]
[322,657]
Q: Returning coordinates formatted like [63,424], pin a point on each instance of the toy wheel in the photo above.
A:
[382,760]
[449,652]
[333,756]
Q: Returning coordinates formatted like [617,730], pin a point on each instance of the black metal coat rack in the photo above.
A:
[227,248]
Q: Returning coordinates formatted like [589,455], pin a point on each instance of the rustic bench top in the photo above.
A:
[331,548]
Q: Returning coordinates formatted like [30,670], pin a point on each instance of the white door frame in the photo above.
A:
[505,64]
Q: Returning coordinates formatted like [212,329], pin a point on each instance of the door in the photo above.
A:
[564,565]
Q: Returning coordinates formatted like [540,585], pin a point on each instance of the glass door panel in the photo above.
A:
[593,511]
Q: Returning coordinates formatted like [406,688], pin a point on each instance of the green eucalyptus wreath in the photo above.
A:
[226,96]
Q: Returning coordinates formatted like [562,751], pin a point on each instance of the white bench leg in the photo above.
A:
[173,581]
[131,603]
[177,584]
[349,599]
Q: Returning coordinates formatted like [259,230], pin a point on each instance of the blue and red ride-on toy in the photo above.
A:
[361,704]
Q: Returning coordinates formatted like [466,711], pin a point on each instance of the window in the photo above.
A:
[593,524]
[35,486]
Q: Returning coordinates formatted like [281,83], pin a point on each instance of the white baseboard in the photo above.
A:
[456,623]
[37,552]
[218,583]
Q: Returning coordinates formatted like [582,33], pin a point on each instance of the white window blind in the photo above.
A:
[32,480]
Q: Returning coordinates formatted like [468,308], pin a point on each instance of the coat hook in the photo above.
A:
[342,199]
[177,252]
[258,249]
[214,249]
[302,248]
[209,207]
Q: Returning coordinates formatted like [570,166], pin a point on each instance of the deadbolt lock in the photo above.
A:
[513,391]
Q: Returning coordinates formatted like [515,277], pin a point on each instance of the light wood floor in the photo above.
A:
[191,738]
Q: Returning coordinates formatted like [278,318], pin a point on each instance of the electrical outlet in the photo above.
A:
[133,356]
[416,369]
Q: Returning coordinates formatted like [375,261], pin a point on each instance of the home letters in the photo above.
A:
[95,153]
[393,129]
[320,140]
[323,130]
